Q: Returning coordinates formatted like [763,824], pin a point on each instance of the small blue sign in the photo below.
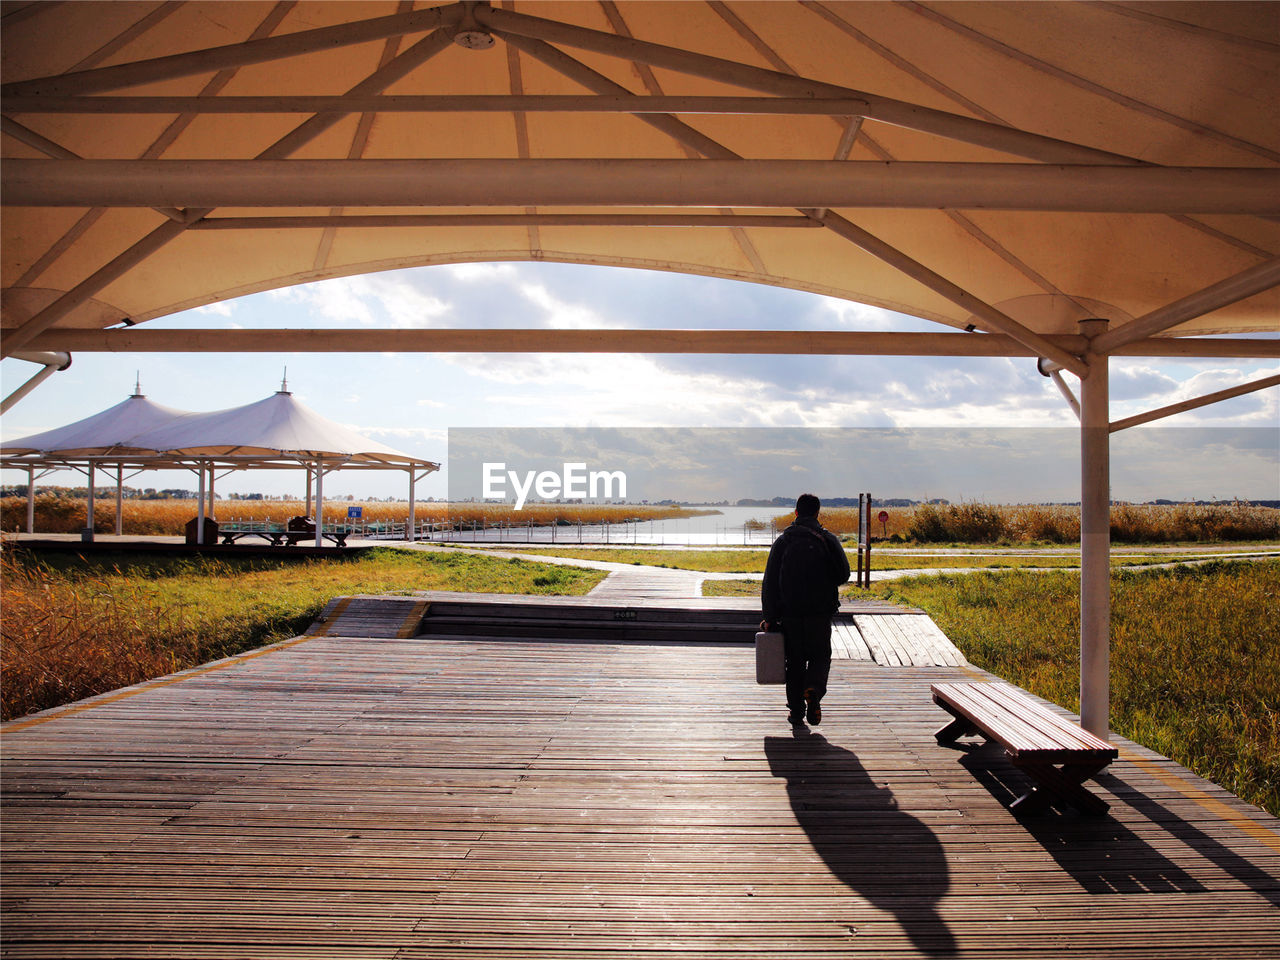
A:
[354,513]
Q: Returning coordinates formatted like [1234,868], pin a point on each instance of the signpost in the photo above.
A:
[862,538]
[863,577]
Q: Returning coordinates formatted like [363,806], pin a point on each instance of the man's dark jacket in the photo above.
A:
[781,597]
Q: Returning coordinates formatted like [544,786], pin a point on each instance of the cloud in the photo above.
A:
[1259,408]
[1130,381]
[222,308]
[432,434]
[476,272]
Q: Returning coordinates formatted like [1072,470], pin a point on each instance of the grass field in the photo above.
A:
[74,627]
[753,561]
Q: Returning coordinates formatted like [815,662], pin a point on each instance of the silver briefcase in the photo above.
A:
[770,659]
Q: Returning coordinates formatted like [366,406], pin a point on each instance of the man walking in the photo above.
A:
[800,592]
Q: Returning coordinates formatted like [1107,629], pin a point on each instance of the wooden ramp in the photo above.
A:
[370,616]
[904,640]
[450,797]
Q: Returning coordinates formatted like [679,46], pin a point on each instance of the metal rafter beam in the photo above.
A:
[708,147]
[1185,405]
[1257,279]
[507,220]
[460,103]
[612,182]
[300,135]
[885,109]
[58,152]
[212,59]
[141,339]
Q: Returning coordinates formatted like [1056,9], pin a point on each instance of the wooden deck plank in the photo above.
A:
[428,797]
[944,652]
[857,645]
[879,641]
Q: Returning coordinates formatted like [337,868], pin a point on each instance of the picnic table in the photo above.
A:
[295,531]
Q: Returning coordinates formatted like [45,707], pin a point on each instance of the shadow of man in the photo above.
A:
[887,856]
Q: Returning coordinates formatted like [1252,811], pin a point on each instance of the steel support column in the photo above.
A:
[1095,540]
[408,530]
[200,467]
[319,504]
[88,518]
[31,500]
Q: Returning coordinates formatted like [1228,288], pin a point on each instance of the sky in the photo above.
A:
[974,408]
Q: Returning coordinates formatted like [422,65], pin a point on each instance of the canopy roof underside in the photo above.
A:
[1006,165]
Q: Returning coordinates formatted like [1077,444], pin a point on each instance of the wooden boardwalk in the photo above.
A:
[427,797]
[863,630]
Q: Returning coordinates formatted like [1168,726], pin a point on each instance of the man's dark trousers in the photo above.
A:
[806,642]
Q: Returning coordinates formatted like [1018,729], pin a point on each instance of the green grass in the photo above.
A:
[1195,656]
[74,627]
[751,588]
[731,588]
[753,561]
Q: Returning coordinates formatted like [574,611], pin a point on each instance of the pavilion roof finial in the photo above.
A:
[284,381]
[137,384]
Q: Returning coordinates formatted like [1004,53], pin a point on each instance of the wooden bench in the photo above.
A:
[1056,753]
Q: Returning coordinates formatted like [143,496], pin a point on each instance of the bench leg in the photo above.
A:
[1063,784]
[959,727]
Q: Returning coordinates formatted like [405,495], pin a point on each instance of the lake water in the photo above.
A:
[726,528]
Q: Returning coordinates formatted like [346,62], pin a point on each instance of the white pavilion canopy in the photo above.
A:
[276,426]
[138,434]
[109,432]
[1069,181]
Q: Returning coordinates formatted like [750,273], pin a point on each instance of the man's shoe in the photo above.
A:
[796,717]
[815,711]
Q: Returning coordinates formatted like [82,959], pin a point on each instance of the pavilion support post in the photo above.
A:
[319,504]
[119,500]
[408,529]
[88,512]
[1095,540]
[200,472]
[31,500]
[307,511]
[212,497]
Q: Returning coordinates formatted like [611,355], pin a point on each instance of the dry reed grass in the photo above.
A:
[55,514]
[995,524]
